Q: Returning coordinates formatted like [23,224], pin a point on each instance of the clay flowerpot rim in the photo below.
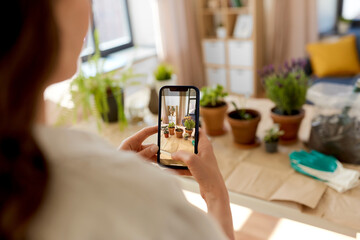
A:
[224,105]
[248,110]
[295,117]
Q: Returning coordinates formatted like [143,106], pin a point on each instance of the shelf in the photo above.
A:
[211,65]
[238,10]
[209,11]
[213,39]
[240,39]
[240,67]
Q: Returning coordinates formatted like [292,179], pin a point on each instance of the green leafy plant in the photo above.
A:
[171,125]
[90,94]
[241,113]
[163,72]
[213,97]
[189,124]
[186,136]
[286,86]
[273,134]
[166,130]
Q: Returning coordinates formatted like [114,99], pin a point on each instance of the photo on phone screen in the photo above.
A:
[178,123]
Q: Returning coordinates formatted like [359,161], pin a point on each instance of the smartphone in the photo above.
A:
[178,123]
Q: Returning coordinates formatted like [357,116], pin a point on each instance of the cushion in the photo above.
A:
[335,59]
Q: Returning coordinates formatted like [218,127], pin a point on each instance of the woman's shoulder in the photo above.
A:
[110,194]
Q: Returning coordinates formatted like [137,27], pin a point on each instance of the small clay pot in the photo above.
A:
[179,134]
[213,118]
[172,131]
[166,135]
[244,131]
[290,124]
[271,147]
[189,131]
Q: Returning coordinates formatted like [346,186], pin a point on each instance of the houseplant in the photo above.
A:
[171,127]
[179,132]
[186,136]
[244,123]
[271,138]
[101,94]
[213,109]
[166,132]
[164,75]
[189,125]
[287,87]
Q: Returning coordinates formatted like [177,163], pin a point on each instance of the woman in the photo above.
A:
[63,184]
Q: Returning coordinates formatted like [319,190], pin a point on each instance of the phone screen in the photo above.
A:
[178,123]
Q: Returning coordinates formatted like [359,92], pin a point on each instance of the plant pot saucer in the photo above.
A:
[249,146]
[288,142]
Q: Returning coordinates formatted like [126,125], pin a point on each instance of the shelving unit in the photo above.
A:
[230,61]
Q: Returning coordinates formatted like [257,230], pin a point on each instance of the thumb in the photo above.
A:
[185,157]
[149,152]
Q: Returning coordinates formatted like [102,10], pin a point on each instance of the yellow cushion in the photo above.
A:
[335,59]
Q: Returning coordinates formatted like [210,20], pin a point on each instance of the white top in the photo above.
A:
[96,192]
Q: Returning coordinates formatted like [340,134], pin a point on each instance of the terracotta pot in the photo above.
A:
[189,131]
[172,131]
[289,124]
[214,119]
[244,131]
[179,134]
[166,135]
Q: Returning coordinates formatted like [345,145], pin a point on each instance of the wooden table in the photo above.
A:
[229,158]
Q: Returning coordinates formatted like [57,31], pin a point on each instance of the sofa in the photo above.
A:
[346,80]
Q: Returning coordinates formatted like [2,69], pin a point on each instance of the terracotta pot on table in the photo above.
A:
[213,118]
[290,124]
[244,131]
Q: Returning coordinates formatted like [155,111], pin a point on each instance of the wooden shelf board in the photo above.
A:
[240,67]
[211,65]
[213,39]
[238,10]
[240,39]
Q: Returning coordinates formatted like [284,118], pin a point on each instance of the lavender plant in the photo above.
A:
[286,86]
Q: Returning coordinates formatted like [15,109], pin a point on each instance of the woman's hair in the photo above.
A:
[29,48]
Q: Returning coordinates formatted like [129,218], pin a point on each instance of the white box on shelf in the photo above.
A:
[241,53]
[216,76]
[214,52]
[242,81]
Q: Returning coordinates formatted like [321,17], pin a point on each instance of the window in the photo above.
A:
[350,9]
[111,19]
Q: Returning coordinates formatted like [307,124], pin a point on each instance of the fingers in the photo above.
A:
[149,152]
[144,133]
[204,142]
[185,157]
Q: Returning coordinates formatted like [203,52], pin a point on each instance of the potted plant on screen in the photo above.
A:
[213,109]
[166,132]
[171,127]
[186,136]
[287,87]
[271,138]
[164,75]
[179,132]
[189,125]
[244,123]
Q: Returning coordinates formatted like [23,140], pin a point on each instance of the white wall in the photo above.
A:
[142,20]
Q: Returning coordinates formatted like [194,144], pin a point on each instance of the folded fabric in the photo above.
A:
[325,168]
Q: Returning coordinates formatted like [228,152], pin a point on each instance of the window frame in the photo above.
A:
[105,53]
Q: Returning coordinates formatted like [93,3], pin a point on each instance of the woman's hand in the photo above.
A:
[135,143]
[205,170]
